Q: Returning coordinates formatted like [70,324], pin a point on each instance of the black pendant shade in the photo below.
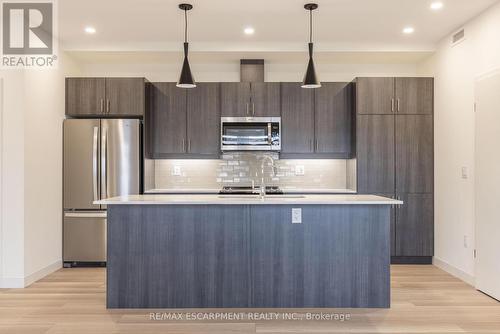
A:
[310,78]
[186,79]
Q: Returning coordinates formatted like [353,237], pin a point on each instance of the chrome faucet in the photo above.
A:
[262,165]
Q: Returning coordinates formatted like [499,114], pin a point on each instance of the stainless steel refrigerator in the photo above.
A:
[102,159]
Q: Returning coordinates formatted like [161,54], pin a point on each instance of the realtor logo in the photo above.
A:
[28,34]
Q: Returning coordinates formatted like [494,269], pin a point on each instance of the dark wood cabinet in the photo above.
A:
[203,119]
[265,99]
[375,95]
[375,154]
[165,122]
[415,225]
[415,96]
[245,99]
[85,96]
[395,157]
[125,96]
[414,154]
[235,99]
[297,119]
[333,118]
[105,97]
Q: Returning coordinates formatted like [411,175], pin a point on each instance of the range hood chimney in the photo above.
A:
[252,70]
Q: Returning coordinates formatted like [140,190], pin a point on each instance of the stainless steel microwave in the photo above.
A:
[250,133]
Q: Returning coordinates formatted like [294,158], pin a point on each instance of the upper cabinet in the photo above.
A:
[183,122]
[414,96]
[375,95]
[334,118]
[244,99]
[297,119]
[103,97]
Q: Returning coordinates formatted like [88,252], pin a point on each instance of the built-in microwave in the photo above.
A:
[250,133]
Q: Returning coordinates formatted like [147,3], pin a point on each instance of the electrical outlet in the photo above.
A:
[177,171]
[296,216]
[300,170]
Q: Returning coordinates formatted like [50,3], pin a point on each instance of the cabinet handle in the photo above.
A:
[253,109]
[107,106]
[316,145]
[189,145]
[392,105]
[102,106]
[311,145]
[398,106]
[247,107]
[183,145]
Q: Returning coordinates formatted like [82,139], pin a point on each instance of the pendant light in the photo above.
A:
[186,79]
[311,79]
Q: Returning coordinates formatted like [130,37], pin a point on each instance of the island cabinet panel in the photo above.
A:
[337,257]
[165,122]
[235,99]
[195,256]
[375,96]
[334,118]
[415,96]
[375,154]
[177,257]
[297,119]
[203,119]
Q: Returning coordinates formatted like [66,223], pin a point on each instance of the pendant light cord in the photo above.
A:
[185,26]
[310,25]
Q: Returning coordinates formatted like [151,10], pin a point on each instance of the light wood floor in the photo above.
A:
[424,300]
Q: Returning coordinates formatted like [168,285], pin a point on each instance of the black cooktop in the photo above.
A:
[242,190]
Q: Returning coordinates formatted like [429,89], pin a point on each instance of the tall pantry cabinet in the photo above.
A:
[395,158]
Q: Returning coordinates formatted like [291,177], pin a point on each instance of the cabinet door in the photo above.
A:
[165,121]
[375,95]
[235,99]
[415,95]
[125,96]
[414,154]
[266,99]
[414,225]
[334,107]
[85,96]
[375,153]
[297,118]
[203,119]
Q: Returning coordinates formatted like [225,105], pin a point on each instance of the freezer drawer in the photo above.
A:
[84,237]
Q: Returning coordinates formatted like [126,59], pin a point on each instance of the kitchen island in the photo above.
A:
[215,251]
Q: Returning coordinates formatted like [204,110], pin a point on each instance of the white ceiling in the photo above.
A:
[280,25]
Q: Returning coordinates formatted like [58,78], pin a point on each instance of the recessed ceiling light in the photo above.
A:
[437,5]
[90,30]
[249,31]
[408,30]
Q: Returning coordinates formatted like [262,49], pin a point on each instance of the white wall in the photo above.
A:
[230,71]
[31,173]
[455,69]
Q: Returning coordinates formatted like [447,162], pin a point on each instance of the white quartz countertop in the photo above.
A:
[208,199]
[216,191]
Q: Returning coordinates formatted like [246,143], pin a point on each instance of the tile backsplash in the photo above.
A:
[243,169]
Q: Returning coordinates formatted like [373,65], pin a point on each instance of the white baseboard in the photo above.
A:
[39,274]
[22,282]
[462,275]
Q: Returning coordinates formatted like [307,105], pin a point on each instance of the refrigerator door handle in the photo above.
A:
[95,163]
[104,163]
